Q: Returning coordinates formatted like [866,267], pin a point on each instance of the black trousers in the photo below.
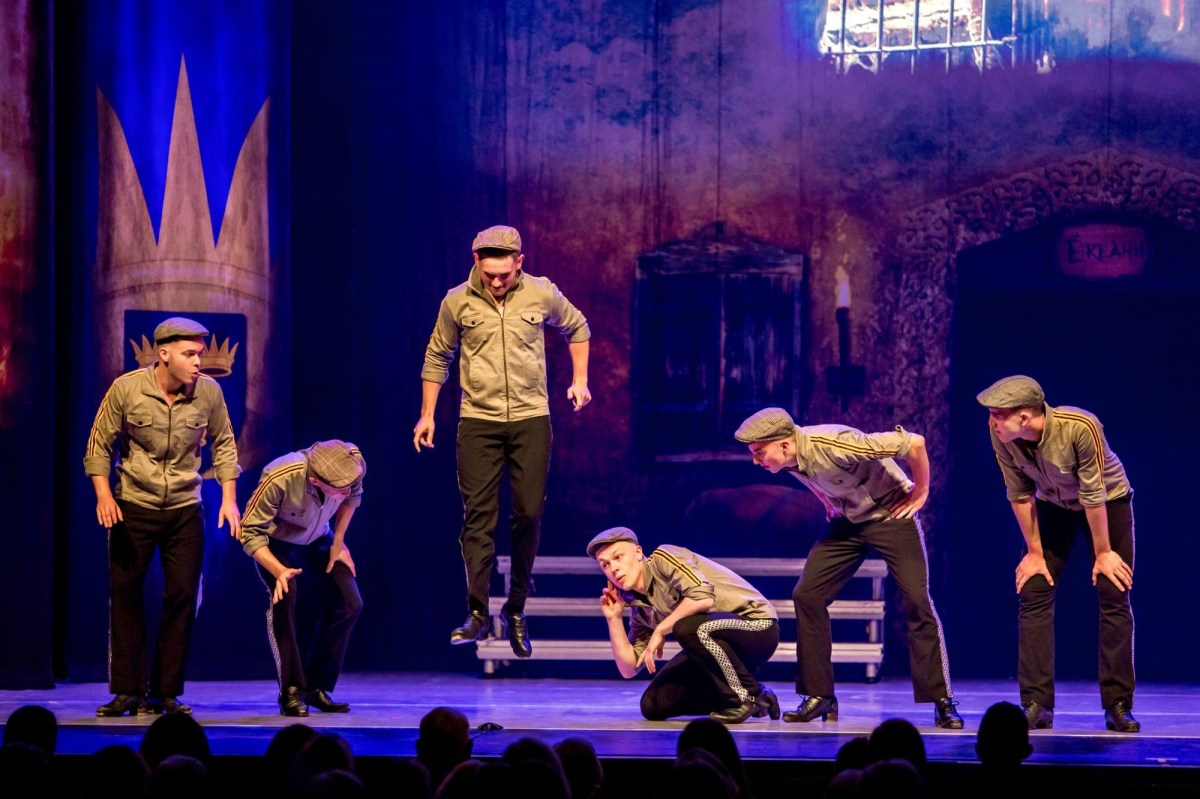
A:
[485,449]
[831,563]
[715,670]
[1059,529]
[341,604]
[178,535]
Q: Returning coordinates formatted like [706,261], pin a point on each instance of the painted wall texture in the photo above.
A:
[627,128]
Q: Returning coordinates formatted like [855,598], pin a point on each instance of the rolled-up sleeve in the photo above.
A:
[569,320]
[443,344]
[98,458]
[224,446]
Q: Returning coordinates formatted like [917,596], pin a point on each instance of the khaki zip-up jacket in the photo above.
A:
[158,445]
[1071,466]
[287,507]
[502,364]
[673,573]
[851,470]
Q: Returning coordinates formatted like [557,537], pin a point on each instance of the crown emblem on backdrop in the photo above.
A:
[217,360]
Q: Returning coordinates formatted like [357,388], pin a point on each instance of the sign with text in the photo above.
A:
[1102,251]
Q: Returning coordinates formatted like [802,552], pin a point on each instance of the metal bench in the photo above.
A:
[496,650]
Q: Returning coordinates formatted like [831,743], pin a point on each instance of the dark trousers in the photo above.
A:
[178,535]
[341,604]
[831,563]
[715,670]
[485,449]
[1059,529]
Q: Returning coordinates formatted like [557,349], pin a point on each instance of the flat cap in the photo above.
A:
[611,536]
[769,424]
[1014,391]
[178,327]
[497,237]
[336,463]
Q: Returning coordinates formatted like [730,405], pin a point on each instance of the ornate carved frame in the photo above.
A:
[932,237]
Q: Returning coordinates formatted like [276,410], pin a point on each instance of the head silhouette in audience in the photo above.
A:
[443,741]
[898,738]
[854,755]
[282,752]
[536,768]
[698,774]
[585,775]
[715,738]
[34,725]
[115,769]
[1003,739]
[334,784]
[323,752]
[174,734]
[179,777]
[891,778]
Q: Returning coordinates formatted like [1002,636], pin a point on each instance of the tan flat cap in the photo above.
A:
[611,536]
[1015,391]
[336,463]
[178,327]
[769,424]
[497,237]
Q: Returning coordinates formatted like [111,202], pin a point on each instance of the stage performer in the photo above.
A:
[1062,478]
[498,316]
[871,505]
[725,627]
[287,531]
[153,422]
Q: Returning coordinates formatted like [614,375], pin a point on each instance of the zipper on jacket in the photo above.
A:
[504,357]
[167,454]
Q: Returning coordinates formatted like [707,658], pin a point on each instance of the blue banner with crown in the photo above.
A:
[182,209]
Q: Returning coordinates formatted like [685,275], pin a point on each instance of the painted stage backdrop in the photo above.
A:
[936,217]
[183,210]
[865,212]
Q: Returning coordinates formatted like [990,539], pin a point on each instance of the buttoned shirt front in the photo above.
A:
[854,472]
[156,444]
[673,574]
[1070,466]
[287,507]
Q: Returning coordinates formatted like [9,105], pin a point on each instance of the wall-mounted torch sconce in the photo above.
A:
[845,380]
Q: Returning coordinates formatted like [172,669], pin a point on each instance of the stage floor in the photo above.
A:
[241,718]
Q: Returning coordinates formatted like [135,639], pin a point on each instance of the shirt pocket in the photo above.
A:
[140,429]
[298,515]
[195,430]
[530,331]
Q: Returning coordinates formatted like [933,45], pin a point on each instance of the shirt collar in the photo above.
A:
[151,388]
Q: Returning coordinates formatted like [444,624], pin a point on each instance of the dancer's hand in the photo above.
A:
[281,583]
[1030,565]
[913,501]
[611,604]
[341,552]
[1114,567]
[654,648]
[423,433]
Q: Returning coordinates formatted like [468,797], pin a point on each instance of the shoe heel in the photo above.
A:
[832,715]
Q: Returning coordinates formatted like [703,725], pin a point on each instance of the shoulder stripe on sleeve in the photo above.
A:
[91,447]
[859,449]
[275,477]
[1090,426]
[677,563]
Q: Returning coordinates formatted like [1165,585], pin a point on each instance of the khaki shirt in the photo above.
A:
[853,471]
[502,366]
[673,573]
[158,445]
[287,507]
[1071,466]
